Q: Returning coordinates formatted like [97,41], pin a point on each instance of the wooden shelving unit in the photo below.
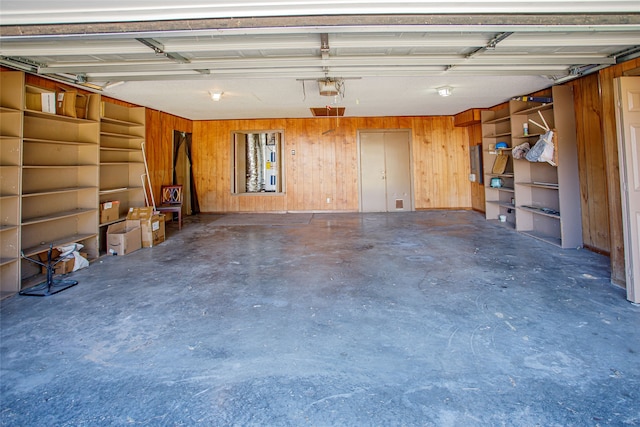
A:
[59,194]
[122,132]
[546,198]
[11,105]
[55,170]
[496,127]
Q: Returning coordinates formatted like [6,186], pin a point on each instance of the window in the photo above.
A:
[257,162]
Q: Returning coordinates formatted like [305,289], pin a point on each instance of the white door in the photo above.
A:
[385,171]
[627,95]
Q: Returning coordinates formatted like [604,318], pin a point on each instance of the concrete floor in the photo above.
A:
[410,319]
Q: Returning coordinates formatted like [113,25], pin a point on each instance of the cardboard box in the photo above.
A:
[109,211]
[124,237]
[151,225]
[63,267]
[41,101]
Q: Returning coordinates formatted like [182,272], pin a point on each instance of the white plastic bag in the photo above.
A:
[73,251]
[543,150]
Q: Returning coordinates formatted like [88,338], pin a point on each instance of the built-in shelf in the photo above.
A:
[122,131]
[549,186]
[126,150]
[554,240]
[547,196]
[497,120]
[498,135]
[551,213]
[63,241]
[57,142]
[106,224]
[11,132]
[500,175]
[505,189]
[6,261]
[56,216]
[119,190]
[110,120]
[56,117]
[120,135]
[528,111]
[57,191]
[8,227]
[9,110]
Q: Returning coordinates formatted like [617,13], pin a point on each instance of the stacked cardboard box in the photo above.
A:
[61,267]
[109,211]
[124,237]
[151,225]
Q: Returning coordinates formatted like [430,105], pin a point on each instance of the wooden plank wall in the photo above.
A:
[159,146]
[477,189]
[592,165]
[325,166]
[610,141]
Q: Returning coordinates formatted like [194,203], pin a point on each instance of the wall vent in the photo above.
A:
[327,112]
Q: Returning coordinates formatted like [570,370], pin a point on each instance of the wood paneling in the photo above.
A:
[159,146]
[592,167]
[324,165]
[610,140]
[477,189]
[467,117]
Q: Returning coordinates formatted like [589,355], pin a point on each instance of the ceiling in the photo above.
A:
[266,57]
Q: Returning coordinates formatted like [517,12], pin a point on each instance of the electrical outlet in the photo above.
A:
[328,199]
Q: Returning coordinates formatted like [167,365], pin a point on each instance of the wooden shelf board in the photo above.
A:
[545,238]
[547,106]
[58,117]
[5,261]
[507,205]
[56,216]
[120,163]
[498,135]
[505,189]
[9,137]
[119,190]
[56,142]
[548,186]
[128,150]
[531,135]
[57,191]
[497,120]
[64,241]
[106,224]
[503,175]
[121,135]
[56,166]
[8,227]
[8,110]
[120,122]
[6,294]
[538,211]
[8,196]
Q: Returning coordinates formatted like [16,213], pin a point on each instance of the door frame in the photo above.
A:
[411,180]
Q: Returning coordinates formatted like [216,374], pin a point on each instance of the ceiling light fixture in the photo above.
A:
[445,91]
[216,96]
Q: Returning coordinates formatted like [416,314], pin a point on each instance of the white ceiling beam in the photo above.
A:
[371,62]
[318,72]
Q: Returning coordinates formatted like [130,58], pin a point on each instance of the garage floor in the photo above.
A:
[408,319]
